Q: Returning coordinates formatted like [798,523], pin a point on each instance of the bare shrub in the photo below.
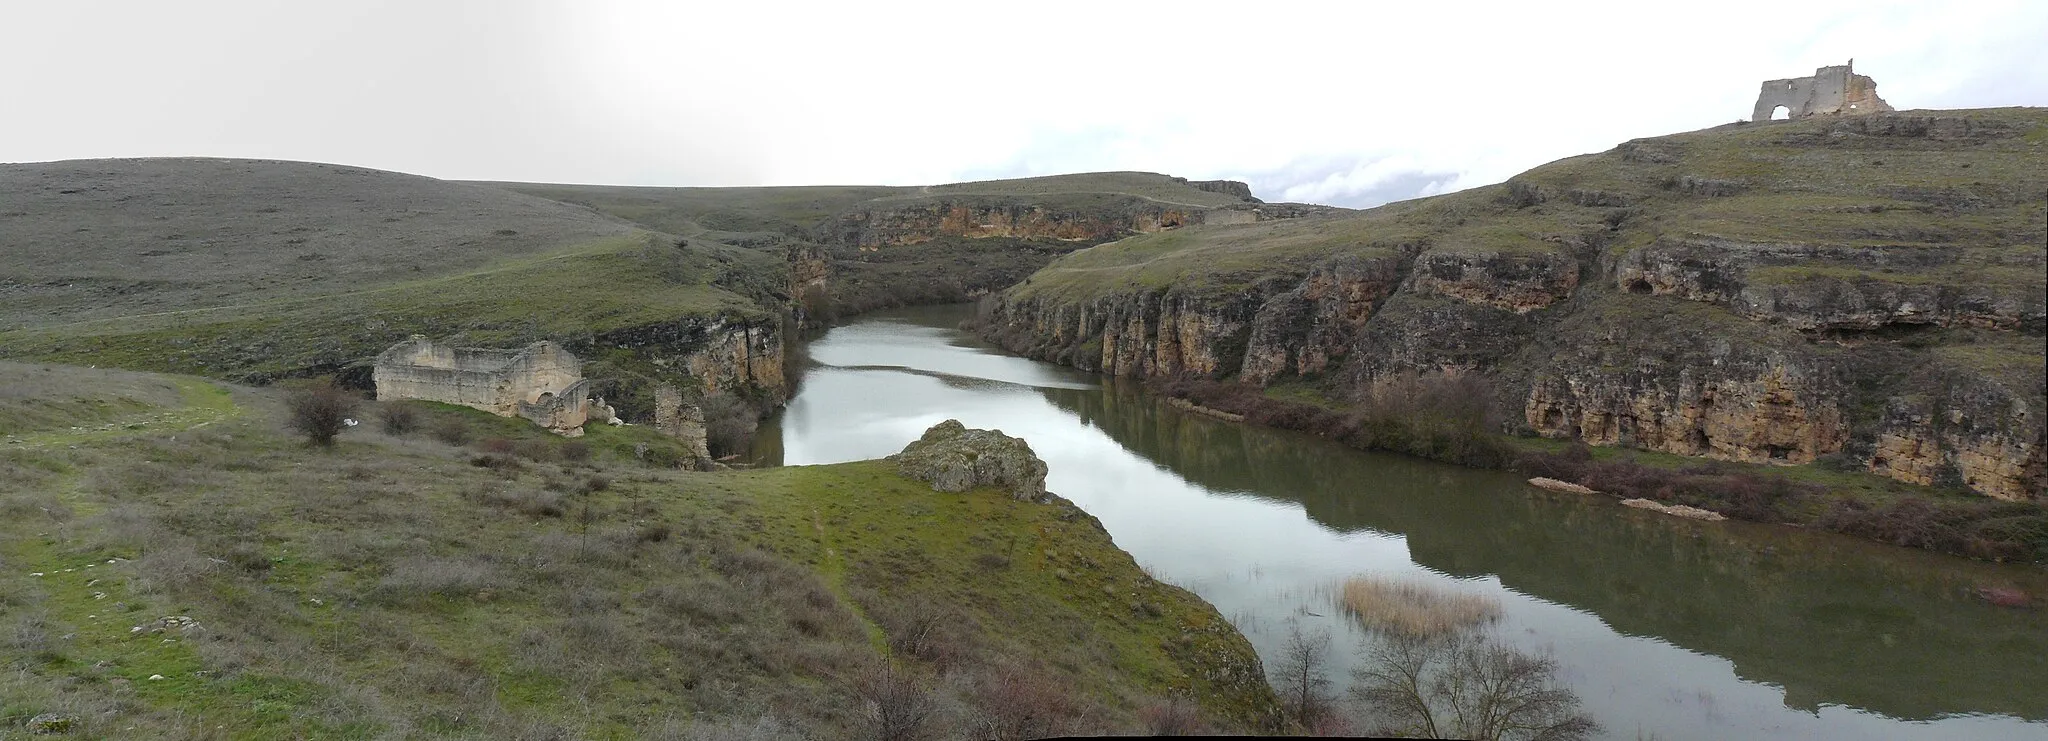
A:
[1463,685]
[451,430]
[1302,678]
[540,451]
[729,423]
[1013,704]
[897,704]
[764,728]
[497,461]
[924,628]
[575,451]
[422,577]
[399,417]
[524,501]
[1175,716]
[30,637]
[320,410]
[1414,608]
[172,566]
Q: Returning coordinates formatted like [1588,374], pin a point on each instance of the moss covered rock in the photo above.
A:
[954,458]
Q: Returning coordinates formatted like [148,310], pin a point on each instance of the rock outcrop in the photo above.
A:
[954,458]
[1104,218]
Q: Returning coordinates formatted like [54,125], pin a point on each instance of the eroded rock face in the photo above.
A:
[1809,296]
[954,458]
[919,222]
[1740,407]
[1520,282]
[1113,218]
[1302,331]
[1968,434]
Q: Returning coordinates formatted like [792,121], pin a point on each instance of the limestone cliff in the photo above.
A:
[1869,288]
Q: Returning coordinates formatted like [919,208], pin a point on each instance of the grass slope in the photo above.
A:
[253,270]
[91,239]
[735,213]
[529,587]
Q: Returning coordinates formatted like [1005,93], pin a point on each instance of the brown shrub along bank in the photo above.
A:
[1446,417]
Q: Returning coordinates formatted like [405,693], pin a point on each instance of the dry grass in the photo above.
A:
[1414,608]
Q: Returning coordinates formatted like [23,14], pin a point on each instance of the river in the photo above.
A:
[1666,628]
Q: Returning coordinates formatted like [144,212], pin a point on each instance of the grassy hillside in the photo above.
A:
[93,239]
[712,213]
[797,210]
[944,269]
[255,270]
[186,570]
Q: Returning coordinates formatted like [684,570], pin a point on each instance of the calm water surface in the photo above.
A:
[1665,627]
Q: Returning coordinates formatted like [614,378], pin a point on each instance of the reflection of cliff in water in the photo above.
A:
[1830,619]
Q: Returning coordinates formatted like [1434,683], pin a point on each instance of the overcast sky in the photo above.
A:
[1342,103]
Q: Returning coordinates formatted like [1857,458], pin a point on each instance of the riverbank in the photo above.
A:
[1444,423]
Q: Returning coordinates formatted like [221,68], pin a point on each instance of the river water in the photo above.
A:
[1666,628]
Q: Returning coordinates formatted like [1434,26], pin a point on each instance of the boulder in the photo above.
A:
[49,724]
[954,458]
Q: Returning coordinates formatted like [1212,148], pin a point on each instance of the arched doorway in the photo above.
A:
[1781,113]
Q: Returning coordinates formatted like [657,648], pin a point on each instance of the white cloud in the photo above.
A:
[1322,101]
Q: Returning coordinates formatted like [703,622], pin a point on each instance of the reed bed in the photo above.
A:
[1413,607]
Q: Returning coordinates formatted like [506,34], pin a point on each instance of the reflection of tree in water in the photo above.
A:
[1831,619]
[1464,685]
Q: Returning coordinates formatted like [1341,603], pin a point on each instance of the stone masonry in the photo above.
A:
[541,382]
[1830,91]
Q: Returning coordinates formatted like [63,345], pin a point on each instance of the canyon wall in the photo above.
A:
[1641,298]
[1096,218]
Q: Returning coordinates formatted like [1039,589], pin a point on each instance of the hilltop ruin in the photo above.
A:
[541,382]
[1830,91]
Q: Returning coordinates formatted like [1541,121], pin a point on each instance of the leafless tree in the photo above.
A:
[899,707]
[1465,686]
[1303,679]
[320,410]
[729,423]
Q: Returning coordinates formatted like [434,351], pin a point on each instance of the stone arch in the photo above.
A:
[1781,113]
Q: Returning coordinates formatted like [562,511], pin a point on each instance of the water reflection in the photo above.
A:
[1667,627]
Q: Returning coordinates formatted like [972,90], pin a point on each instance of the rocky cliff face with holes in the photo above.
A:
[1865,292]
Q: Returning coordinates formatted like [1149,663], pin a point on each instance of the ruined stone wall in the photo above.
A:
[541,382]
[1830,91]
[563,411]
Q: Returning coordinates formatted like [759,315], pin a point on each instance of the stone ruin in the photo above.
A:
[541,382]
[1830,91]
